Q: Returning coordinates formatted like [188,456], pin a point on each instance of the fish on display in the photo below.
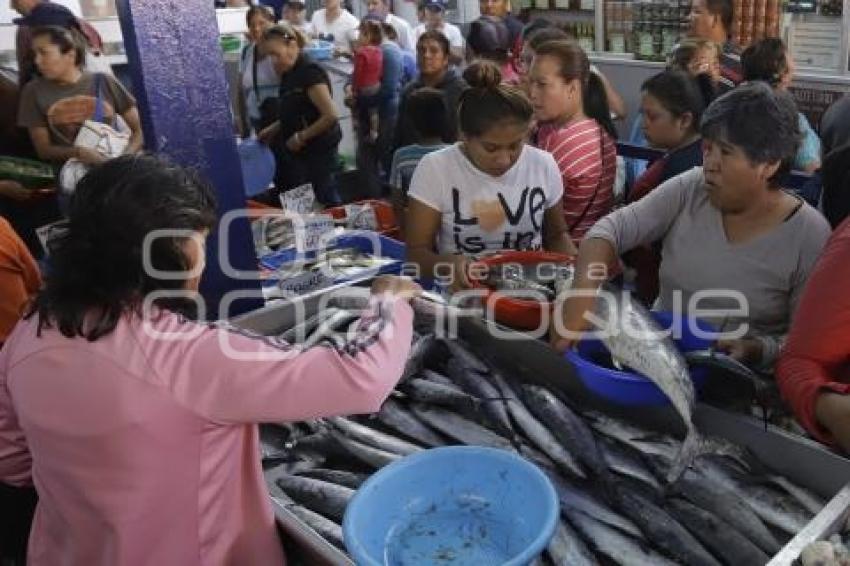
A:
[373,437]
[478,385]
[432,393]
[329,327]
[301,331]
[351,480]
[367,454]
[614,544]
[422,347]
[326,498]
[461,429]
[567,547]
[393,415]
[628,463]
[811,502]
[327,529]
[635,339]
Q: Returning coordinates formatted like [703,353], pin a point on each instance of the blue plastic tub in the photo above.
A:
[458,505]
[319,50]
[366,242]
[258,166]
[630,388]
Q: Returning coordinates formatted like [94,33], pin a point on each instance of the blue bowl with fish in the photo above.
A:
[592,362]
[459,505]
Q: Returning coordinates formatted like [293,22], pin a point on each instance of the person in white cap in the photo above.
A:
[294,12]
[435,11]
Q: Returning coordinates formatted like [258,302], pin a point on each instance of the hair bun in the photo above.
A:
[483,74]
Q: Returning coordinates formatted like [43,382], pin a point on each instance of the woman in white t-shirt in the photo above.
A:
[489,192]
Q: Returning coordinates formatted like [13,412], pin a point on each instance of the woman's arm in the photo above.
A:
[320,96]
[131,117]
[48,151]
[556,236]
[421,228]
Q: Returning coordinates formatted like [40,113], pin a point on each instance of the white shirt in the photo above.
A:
[344,28]
[402,28]
[485,213]
[451,31]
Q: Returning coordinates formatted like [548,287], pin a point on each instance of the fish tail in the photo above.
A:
[687,453]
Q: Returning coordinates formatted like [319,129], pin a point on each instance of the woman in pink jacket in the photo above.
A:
[137,425]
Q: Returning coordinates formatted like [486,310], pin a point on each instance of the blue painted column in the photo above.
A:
[177,69]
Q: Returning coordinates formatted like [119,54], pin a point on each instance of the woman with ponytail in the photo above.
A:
[574,125]
[491,191]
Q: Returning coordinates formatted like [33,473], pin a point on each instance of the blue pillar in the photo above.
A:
[177,70]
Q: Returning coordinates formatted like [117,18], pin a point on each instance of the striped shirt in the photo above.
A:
[588,167]
[405,160]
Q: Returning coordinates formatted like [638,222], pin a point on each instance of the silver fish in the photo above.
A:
[626,462]
[326,528]
[804,497]
[351,480]
[478,385]
[612,543]
[370,455]
[453,425]
[633,337]
[396,417]
[432,393]
[329,499]
[567,547]
[374,437]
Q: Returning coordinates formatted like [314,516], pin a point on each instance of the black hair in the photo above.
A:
[487,102]
[836,185]
[541,36]
[284,31]
[373,29]
[427,109]
[260,10]
[680,94]
[97,270]
[489,38]
[766,60]
[389,31]
[574,64]
[66,39]
[534,25]
[439,37]
[763,122]
[724,9]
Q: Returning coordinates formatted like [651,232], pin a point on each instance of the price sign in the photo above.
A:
[311,232]
[360,217]
[304,282]
[300,200]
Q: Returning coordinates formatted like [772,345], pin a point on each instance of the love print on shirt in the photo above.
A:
[520,222]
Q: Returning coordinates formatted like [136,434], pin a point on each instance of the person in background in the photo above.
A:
[152,419]
[435,11]
[335,23]
[490,39]
[366,78]
[574,125]
[408,58]
[501,9]
[835,174]
[492,191]
[712,20]
[725,227]
[381,8]
[42,13]
[427,112]
[307,124]
[697,57]
[813,372]
[539,35]
[20,278]
[769,61]
[435,71]
[374,159]
[835,126]
[672,104]
[295,12]
[260,82]
[55,105]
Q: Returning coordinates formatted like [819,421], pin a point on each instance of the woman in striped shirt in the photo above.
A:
[574,125]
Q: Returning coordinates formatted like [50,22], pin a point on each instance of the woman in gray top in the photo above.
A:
[736,247]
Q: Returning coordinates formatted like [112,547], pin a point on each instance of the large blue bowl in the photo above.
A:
[630,388]
[459,505]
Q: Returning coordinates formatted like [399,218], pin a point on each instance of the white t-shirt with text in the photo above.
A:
[482,213]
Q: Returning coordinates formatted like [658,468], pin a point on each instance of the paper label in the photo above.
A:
[313,232]
[299,200]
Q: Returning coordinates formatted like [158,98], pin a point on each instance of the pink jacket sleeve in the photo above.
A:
[228,376]
[15,459]
[816,356]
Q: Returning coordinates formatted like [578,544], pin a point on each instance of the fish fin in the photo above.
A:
[687,453]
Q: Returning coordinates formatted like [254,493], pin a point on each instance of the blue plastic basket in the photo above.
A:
[460,505]
[630,388]
[364,241]
[258,166]
[319,50]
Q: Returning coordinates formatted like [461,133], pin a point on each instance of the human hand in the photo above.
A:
[14,190]
[748,351]
[402,287]
[89,156]
[832,411]
[460,273]
[295,143]
[267,134]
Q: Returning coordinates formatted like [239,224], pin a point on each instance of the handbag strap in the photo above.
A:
[254,64]
[98,98]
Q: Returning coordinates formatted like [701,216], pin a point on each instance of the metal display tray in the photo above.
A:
[802,460]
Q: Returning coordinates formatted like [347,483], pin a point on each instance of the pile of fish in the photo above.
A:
[628,495]
[539,280]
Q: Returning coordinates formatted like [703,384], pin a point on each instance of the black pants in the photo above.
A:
[17,506]
[374,159]
[25,217]
[316,168]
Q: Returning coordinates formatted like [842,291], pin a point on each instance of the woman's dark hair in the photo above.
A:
[260,10]
[533,26]
[722,8]
[763,122]
[489,38]
[373,29]
[97,268]
[437,36]
[575,65]
[284,31]
[487,102]
[765,61]
[427,110]
[389,31]
[66,40]
[680,94]
[544,35]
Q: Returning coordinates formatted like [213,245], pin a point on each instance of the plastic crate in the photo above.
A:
[28,172]
[319,50]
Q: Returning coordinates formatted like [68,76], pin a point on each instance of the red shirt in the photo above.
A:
[368,62]
[816,356]
[587,158]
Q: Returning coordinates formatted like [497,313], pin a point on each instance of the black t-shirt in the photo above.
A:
[297,111]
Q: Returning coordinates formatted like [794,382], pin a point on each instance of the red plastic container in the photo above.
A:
[384,214]
[522,314]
